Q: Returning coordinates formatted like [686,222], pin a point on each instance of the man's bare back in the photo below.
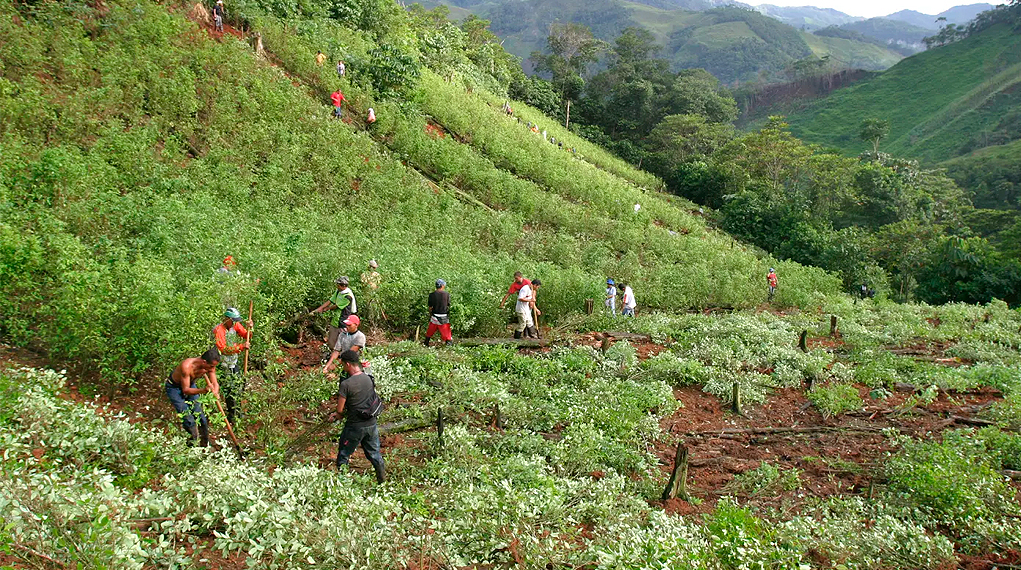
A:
[191,369]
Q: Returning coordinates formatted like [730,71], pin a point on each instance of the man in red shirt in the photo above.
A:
[519,282]
[773,282]
[338,99]
[231,340]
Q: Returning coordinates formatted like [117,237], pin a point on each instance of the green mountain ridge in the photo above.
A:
[735,44]
[940,104]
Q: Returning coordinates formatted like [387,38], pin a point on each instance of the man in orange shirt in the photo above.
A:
[231,340]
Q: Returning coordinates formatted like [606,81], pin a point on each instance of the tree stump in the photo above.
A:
[589,306]
[677,487]
[833,325]
[736,398]
[803,341]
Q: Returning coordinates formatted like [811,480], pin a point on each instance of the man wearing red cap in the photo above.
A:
[350,339]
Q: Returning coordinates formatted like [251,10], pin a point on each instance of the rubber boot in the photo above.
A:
[193,435]
[449,343]
[204,433]
[533,332]
[380,473]
[426,341]
[517,334]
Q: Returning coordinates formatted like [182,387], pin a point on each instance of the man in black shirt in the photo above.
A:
[356,391]
[439,304]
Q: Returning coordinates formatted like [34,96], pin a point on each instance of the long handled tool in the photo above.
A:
[230,430]
[535,317]
[251,305]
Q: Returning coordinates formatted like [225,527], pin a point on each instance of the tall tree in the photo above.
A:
[873,131]
[572,48]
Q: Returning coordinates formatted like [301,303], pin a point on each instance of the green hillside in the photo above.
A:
[132,190]
[940,103]
[715,429]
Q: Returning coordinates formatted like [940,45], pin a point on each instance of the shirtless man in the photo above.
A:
[184,395]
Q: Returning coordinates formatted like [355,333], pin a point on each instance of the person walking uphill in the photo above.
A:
[343,302]
[184,395]
[359,405]
[772,281]
[231,340]
[439,320]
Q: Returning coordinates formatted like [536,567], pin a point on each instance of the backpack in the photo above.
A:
[373,408]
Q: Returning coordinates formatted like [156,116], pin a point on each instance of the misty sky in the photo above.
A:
[872,8]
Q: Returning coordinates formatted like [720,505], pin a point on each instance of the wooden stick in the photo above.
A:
[833,325]
[251,305]
[230,430]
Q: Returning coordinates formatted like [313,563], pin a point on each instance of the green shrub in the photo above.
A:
[835,398]
[951,483]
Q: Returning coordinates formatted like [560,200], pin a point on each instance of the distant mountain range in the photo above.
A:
[734,41]
[901,31]
[811,18]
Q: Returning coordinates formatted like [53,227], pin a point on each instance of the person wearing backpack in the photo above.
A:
[359,405]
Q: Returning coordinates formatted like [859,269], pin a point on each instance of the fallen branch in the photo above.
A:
[38,554]
[782,430]
[1013,475]
[520,343]
[972,421]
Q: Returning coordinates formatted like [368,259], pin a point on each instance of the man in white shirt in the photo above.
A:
[627,308]
[523,309]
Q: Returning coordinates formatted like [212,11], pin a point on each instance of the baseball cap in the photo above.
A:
[771,270]
[609,282]
[342,280]
[229,261]
[373,264]
[233,314]
[352,320]
[440,283]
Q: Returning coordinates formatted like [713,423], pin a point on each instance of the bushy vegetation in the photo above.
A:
[120,198]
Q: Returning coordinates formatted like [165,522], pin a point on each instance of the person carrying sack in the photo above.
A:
[359,405]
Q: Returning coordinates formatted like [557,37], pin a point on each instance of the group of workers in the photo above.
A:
[358,402]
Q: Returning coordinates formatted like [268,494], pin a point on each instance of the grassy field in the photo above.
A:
[935,101]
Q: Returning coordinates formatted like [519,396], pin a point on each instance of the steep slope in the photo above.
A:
[129,183]
[939,103]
